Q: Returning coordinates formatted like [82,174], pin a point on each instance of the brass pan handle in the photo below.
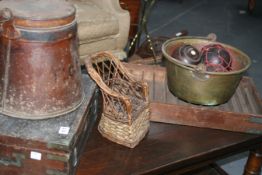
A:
[212,37]
[199,73]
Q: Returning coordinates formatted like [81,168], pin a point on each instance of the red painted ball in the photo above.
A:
[216,58]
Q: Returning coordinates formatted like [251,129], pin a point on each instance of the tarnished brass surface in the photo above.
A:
[193,84]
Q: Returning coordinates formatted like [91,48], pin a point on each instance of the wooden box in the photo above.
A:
[50,146]
[242,113]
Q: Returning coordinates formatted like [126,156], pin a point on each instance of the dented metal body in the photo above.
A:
[39,68]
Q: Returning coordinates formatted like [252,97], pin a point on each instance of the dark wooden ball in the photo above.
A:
[187,54]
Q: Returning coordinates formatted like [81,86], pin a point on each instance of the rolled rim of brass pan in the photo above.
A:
[200,40]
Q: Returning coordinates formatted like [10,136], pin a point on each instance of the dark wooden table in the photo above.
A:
[168,148]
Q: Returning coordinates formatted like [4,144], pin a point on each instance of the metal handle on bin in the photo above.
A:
[8,28]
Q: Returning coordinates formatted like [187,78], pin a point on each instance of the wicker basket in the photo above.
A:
[125,117]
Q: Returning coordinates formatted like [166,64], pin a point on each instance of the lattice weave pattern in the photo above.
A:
[124,100]
[121,91]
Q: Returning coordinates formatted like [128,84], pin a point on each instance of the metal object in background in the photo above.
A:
[39,69]
[147,5]
[194,84]
[145,51]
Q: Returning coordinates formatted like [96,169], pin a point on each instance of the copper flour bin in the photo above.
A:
[39,68]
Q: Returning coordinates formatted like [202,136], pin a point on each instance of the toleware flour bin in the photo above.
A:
[39,68]
[196,86]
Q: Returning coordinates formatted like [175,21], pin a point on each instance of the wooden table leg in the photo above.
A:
[254,162]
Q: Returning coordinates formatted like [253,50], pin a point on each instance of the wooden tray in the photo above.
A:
[242,113]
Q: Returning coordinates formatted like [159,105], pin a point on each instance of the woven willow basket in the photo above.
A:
[125,117]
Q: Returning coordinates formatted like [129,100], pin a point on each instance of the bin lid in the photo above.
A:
[39,13]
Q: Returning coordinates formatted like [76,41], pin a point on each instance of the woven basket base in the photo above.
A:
[124,134]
